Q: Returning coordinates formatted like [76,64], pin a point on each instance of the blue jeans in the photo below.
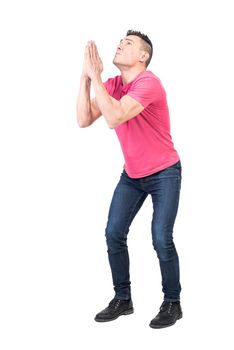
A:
[129,195]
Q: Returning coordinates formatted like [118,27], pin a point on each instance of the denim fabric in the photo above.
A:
[129,195]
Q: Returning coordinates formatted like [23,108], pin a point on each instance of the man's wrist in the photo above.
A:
[96,79]
[85,77]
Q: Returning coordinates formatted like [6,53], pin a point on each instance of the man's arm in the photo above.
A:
[87,110]
[115,112]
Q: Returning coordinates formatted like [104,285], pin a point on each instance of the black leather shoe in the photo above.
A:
[168,314]
[115,309]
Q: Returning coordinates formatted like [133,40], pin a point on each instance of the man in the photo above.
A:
[135,105]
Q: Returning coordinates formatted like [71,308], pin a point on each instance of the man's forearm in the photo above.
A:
[109,106]
[83,108]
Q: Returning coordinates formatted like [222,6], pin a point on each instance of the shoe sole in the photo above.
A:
[168,325]
[126,312]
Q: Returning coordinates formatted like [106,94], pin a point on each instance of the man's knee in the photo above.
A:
[163,243]
[116,240]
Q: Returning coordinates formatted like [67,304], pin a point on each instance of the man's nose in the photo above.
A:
[120,46]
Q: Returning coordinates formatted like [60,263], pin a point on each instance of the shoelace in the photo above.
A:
[169,309]
[114,304]
[164,306]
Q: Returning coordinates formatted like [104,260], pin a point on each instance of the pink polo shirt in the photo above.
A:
[145,139]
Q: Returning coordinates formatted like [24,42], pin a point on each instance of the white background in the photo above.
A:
[57,180]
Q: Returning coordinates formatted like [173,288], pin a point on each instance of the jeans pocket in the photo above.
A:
[174,170]
[176,165]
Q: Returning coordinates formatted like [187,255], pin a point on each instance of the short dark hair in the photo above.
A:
[148,47]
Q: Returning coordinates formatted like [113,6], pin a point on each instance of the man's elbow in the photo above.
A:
[111,125]
[114,123]
[82,126]
[82,123]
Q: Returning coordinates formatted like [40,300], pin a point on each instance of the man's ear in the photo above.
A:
[144,56]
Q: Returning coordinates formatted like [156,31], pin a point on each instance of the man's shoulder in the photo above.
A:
[148,80]
[148,75]
[115,79]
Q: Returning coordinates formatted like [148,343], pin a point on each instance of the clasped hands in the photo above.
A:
[92,66]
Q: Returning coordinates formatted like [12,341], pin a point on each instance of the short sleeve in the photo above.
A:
[110,85]
[146,89]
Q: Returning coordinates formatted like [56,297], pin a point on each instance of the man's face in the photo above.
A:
[128,51]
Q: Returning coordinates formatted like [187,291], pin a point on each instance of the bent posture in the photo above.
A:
[134,104]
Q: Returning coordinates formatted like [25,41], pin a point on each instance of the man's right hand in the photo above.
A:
[84,69]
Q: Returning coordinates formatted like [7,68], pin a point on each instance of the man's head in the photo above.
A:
[135,49]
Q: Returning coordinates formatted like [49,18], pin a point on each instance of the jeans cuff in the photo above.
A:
[171,300]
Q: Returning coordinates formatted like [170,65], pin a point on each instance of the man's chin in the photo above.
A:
[116,62]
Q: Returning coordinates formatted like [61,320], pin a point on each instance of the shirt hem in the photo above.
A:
[155,170]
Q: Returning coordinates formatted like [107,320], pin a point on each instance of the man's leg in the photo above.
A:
[165,199]
[127,200]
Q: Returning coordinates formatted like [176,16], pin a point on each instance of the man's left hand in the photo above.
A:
[94,66]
